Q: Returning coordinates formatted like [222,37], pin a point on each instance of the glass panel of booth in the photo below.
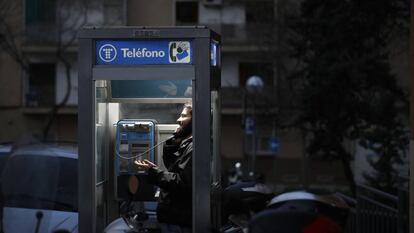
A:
[215,158]
[100,121]
[133,118]
[101,109]
[159,101]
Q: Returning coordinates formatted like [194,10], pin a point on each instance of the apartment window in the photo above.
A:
[41,85]
[264,70]
[186,12]
[259,12]
[40,11]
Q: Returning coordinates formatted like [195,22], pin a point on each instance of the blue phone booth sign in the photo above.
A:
[110,52]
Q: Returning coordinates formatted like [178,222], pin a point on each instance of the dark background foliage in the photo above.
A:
[348,91]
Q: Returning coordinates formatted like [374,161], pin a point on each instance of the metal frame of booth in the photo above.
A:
[205,78]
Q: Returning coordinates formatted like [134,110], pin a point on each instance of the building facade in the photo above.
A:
[38,76]
[38,68]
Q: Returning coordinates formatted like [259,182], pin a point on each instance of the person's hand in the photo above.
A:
[144,164]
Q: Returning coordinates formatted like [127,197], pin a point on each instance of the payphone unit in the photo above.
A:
[135,139]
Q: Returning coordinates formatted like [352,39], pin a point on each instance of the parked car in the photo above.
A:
[5,150]
[39,189]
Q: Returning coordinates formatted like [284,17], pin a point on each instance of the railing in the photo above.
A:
[375,211]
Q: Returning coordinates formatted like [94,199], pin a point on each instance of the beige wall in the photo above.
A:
[10,82]
[10,74]
[231,138]
[157,13]
[67,127]
[12,124]
[16,125]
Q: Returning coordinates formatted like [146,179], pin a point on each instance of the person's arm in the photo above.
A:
[170,147]
[178,181]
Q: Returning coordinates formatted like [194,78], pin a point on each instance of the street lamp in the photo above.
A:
[254,86]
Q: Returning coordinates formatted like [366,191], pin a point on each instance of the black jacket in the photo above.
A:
[175,201]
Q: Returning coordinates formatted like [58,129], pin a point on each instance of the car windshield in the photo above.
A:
[38,180]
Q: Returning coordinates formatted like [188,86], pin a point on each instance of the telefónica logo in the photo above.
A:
[107,52]
[180,52]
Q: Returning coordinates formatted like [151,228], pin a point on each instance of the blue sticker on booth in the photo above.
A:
[164,52]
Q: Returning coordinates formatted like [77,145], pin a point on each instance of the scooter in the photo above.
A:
[302,212]
[240,202]
[252,207]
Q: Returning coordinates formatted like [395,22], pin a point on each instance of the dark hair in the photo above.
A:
[189,106]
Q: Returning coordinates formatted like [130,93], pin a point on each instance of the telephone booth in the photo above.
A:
[133,82]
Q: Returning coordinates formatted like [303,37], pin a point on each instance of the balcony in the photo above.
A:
[258,36]
[41,33]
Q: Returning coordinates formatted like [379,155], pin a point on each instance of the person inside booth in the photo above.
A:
[174,209]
